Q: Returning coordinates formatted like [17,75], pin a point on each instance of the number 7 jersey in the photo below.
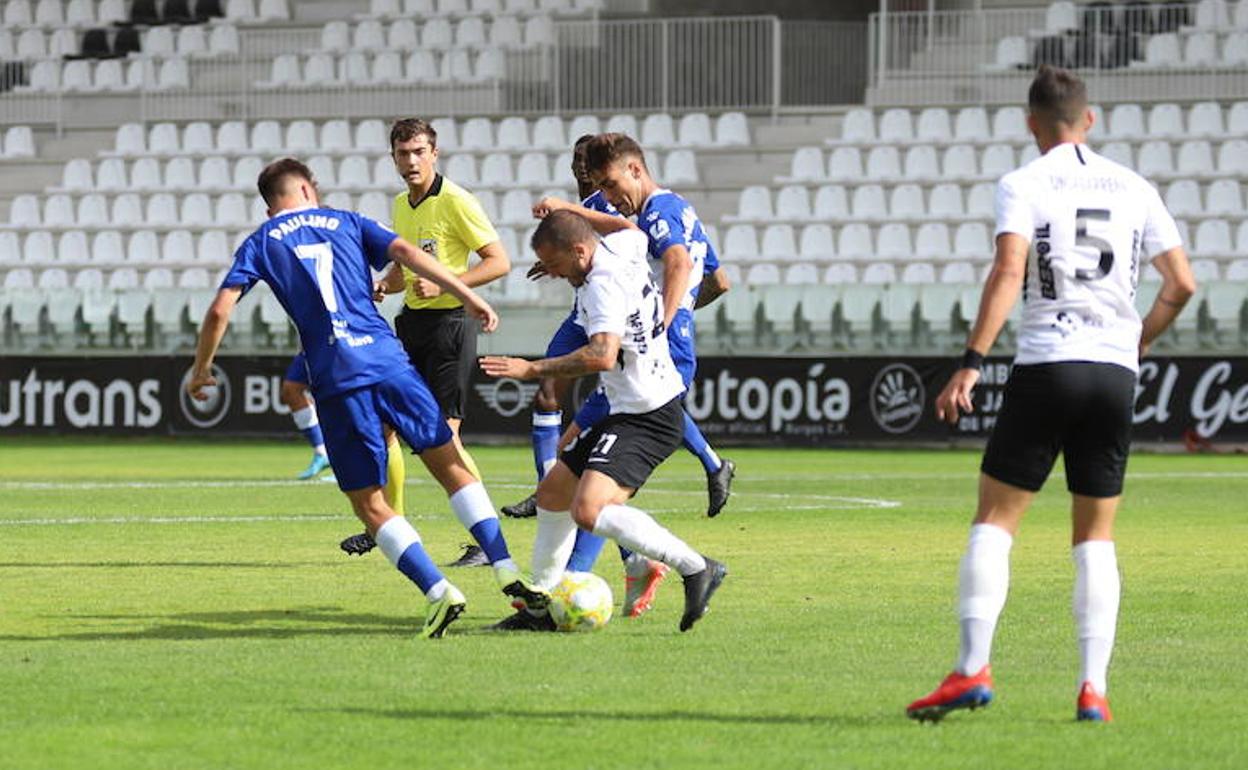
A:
[1092,224]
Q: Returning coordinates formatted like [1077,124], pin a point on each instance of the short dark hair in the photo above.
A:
[272,180]
[579,168]
[561,229]
[605,149]
[406,129]
[1057,95]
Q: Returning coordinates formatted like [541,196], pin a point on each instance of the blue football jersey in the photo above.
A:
[669,220]
[317,262]
[598,202]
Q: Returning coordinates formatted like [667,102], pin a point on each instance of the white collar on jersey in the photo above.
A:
[294,209]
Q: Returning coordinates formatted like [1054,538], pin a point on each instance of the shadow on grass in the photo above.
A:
[173,565]
[258,624]
[581,715]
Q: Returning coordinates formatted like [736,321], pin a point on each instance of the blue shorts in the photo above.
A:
[680,342]
[351,423]
[568,337]
[298,369]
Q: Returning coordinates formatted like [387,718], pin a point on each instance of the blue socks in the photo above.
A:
[695,442]
[545,434]
[585,551]
[489,536]
[419,568]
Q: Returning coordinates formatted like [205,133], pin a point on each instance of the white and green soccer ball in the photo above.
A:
[581,602]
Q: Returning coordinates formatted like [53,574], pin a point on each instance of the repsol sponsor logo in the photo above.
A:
[1217,398]
[778,404]
[79,403]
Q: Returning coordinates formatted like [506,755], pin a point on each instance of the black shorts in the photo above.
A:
[628,447]
[1080,408]
[442,345]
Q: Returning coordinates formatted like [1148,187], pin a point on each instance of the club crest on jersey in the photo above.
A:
[507,396]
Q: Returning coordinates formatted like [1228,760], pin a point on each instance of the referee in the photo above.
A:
[448,223]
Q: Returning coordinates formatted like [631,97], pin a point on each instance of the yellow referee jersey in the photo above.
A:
[449,225]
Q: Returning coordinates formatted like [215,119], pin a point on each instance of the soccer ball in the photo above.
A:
[581,602]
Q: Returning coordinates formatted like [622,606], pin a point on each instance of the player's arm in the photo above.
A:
[494,264]
[998,298]
[603,224]
[598,355]
[425,266]
[714,285]
[216,320]
[677,264]
[391,283]
[1178,285]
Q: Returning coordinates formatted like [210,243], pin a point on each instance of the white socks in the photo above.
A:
[556,535]
[636,531]
[1095,604]
[983,582]
[471,504]
[394,538]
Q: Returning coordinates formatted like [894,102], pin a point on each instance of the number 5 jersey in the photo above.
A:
[1092,225]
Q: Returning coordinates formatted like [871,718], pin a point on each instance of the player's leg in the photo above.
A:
[353,433]
[1095,454]
[548,411]
[719,471]
[405,402]
[294,396]
[396,477]
[1017,461]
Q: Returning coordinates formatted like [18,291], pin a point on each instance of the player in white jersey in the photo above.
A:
[1073,231]
[622,312]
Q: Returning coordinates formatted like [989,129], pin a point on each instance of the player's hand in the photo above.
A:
[548,204]
[956,397]
[536,272]
[425,288]
[569,436]
[379,291]
[200,380]
[481,310]
[507,366]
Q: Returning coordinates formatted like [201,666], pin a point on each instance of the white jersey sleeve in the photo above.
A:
[1160,231]
[1014,213]
[606,304]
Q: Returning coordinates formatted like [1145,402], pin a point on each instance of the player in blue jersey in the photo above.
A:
[684,265]
[317,263]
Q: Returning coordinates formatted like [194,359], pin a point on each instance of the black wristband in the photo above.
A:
[972,359]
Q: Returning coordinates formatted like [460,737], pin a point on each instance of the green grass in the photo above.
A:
[186,625]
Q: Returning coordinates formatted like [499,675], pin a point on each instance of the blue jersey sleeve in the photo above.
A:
[376,239]
[243,272]
[710,263]
[665,229]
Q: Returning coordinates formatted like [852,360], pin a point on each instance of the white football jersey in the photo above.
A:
[619,298]
[1092,224]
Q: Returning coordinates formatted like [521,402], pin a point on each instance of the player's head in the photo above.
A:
[414,149]
[565,243]
[285,184]
[580,171]
[1057,106]
[617,166]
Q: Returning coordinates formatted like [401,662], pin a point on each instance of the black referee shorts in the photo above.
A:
[628,447]
[442,345]
[1080,408]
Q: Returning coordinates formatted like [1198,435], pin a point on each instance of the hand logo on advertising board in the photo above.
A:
[507,396]
[210,411]
[897,398]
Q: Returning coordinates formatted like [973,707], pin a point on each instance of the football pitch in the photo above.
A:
[175,604]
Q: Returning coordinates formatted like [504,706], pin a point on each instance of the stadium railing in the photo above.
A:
[1125,52]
